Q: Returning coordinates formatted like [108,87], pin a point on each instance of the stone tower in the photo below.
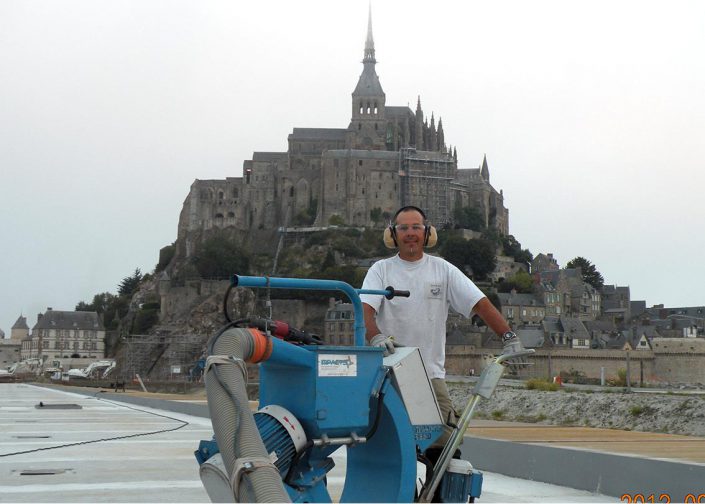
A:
[368,124]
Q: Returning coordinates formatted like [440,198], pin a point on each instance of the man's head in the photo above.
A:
[410,232]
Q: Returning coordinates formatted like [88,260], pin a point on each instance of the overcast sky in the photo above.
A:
[591,114]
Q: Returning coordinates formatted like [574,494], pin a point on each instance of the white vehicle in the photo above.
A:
[97,369]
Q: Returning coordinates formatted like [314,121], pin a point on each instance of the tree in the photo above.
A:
[219,257]
[111,307]
[129,284]
[521,281]
[588,271]
[468,218]
[512,248]
[477,254]
[481,258]
[454,250]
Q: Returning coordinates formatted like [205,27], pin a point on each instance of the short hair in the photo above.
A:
[409,208]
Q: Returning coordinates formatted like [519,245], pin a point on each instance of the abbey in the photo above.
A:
[387,157]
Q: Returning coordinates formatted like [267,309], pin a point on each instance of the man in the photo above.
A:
[420,320]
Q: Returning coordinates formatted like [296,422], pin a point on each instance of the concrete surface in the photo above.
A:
[110,451]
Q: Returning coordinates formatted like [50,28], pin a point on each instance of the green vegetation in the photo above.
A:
[512,248]
[219,257]
[638,410]
[129,284]
[588,271]
[498,414]
[476,255]
[468,218]
[620,380]
[540,384]
[521,281]
[111,307]
[146,318]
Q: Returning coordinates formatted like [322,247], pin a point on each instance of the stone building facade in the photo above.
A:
[388,156]
[63,334]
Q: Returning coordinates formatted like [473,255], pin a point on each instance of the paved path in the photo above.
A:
[642,444]
[109,451]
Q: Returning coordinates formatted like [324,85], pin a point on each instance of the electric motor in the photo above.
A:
[282,434]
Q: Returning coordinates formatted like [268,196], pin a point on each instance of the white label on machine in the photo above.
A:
[337,365]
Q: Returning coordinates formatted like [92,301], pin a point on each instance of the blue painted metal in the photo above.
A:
[277,440]
[312,284]
[330,394]
[384,468]
[206,449]
[335,391]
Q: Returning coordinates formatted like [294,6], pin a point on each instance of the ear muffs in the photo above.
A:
[390,238]
[431,237]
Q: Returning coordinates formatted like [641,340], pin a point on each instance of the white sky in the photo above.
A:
[592,116]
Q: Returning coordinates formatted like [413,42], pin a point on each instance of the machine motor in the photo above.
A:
[282,434]
[461,483]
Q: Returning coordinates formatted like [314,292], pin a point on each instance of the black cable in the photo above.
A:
[225,302]
[183,424]
[378,414]
[214,338]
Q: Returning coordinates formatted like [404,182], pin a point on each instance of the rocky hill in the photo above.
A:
[673,413]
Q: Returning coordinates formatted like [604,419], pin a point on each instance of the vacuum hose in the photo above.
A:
[253,477]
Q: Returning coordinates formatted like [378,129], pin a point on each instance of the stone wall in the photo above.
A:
[644,366]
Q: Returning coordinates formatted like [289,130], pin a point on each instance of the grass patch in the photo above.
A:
[539,384]
[638,410]
[498,414]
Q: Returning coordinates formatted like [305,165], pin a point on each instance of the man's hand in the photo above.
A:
[511,345]
[384,341]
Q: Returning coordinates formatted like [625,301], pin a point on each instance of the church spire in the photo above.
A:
[484,169]
[369,42]
[368,96]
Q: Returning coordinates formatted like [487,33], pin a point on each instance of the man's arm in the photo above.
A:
[371,329]
[511,344]
[491,316]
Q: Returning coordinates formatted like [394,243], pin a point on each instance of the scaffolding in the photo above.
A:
[160,356]
[425,182]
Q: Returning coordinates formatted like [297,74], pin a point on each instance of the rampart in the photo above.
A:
[645,366]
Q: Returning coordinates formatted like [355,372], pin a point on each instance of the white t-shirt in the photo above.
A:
[420,320]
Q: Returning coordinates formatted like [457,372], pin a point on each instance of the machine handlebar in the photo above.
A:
[392,293]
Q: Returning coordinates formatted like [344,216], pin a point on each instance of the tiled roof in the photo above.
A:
[509,299]
[21,323]
[318,134]
[55,319]
[268,156]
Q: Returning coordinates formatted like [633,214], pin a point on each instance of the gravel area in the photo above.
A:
[673,413]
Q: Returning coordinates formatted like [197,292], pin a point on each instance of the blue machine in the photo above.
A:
[314,399]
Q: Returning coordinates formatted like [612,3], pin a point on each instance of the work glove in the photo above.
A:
[511,345]
[385,342]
